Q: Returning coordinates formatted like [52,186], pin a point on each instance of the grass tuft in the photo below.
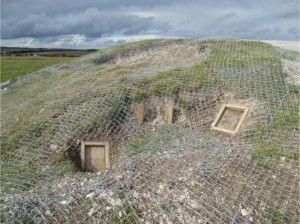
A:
[265,150]
[276,216]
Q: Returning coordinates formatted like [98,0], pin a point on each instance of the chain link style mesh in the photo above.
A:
[183,172]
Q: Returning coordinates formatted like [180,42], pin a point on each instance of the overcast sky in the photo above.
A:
[101,23]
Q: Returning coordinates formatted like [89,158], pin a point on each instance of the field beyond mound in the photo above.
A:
[162,171]
[12,67]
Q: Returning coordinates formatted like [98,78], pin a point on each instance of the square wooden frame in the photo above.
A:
[222,112]
[106,148]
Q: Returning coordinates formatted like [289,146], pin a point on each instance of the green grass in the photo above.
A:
[28,130]
[171,82]
[194,78]
[12,67]
[19,177]
[277,216]
[287,118]
[266,150]
[264,165]
[263,151]
[285,122]
[138,96]
[243,53]
[142,43]
[99,68]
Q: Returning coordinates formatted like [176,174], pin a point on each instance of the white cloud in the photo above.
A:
[76,41]
[79,24]
[20,42]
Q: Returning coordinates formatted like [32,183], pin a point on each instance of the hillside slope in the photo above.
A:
[182,172]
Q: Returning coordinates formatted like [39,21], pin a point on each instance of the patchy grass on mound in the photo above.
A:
[58,94]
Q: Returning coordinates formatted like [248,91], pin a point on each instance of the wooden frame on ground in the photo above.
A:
[230,118]
[94,156]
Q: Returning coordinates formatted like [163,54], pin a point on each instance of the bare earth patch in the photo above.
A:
[292,68]
[290,45]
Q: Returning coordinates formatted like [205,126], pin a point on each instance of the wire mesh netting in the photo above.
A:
[163,170]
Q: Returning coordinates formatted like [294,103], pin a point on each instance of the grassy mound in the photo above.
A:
[46,114]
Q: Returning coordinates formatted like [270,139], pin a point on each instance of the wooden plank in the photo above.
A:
[169,114]
[82,154]
[140,113]
[107,160]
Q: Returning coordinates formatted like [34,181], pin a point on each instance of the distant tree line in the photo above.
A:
[45,52]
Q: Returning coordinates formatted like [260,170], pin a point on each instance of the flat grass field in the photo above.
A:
[14,66]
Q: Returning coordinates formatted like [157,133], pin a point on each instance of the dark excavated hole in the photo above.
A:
[114,142]
[150,114]
[75,153]
[107,129]
[74,156]
[176,113]
[112,127]
[109,132]
[94,156]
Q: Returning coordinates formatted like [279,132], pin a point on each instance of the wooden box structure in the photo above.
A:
[95,156]
[230,118]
